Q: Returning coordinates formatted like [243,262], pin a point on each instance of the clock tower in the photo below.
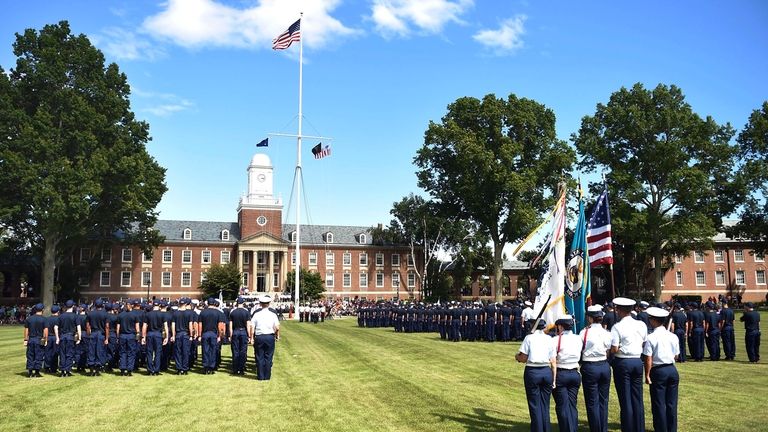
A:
[259,211]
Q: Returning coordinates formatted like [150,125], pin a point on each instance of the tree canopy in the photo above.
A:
[311,283]
[222,278]
[495,163]
[73,161]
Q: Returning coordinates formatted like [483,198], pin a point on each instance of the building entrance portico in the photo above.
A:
[261,260]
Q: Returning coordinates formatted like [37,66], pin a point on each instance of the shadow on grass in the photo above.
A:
[482,420]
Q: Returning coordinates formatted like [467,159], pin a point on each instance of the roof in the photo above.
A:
[316,234]
[202,231]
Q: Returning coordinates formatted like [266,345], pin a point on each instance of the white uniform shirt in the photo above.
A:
[597,341]
[527,314]
[539,349]
[662,345]
[264,322]
[569,350]
[629,335]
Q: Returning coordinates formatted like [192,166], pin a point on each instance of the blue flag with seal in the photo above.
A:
[577,281]
[263,143]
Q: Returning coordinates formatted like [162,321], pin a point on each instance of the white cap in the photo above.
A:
[265,299]
[644,304]
[623,301]
[657,312]
[195,301]
[527,303]
[595,309]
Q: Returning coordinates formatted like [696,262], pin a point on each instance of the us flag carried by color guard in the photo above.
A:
[286,38]
[599,233]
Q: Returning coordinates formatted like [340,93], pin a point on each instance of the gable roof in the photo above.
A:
[202,231]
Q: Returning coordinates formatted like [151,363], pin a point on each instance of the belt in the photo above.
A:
[537,365]
[568,366]
[568,369]
[662,365]
[627,356]
[594,361]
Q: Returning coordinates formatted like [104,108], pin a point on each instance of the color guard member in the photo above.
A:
[595,371]
[627,338]
[538,354]
[661,349]
[568,347]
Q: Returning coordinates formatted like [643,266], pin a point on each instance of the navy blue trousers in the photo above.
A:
[596,380]
[729,342]
[128,349]
[264,346]
[713,344]
[35,354]
[506,328]
[66,353]
[680,333]
[490,330]
[566,394]
[181,351]
[97,351]
[52,355]
[239,345]
[194,343]
[628,377]
[210,348]
[663,390]
[455,326]
[752,339]
[697,343]
[472,331]
[154,351]
[538,389]
[113,351]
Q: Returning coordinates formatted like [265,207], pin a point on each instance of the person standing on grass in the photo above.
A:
[128,331]
[67,337]
[538,353]
[696,332]
[52,348]
[113,346]
[751,320]
[181,335]
[210,328]
[97,328]
[627,338]
[712,331]
[35,338]
[727,318]
[661,350]
[263,332]
[238,329]
[680,328]
[595,371]
[568,348]
[152,333]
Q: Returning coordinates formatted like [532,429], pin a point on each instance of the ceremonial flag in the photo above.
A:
[599,233]
[551,284]
[578,284]
[286,38]
[320,152]
[263,143]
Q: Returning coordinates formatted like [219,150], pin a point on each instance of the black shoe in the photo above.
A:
[129,373]
[30,374]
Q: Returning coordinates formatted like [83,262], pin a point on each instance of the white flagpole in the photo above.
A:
[298,182]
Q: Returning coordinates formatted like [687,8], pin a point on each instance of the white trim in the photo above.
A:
[130,276]
[189,283]
[162,279]
[720,272]
[379,255]
[225,234]
[142,278]
[360,257]
[109,278]
[743,277]
[696,257]
[221,257]
[187,234]
[757,282]
[392,259]
[360,280]
[312,262]
[170,259]
[696,278]
[346,280]
[183,254]
[332,261]
[377,284]
[109,258]
[144,258]
[680,282]
[346,259]
[742,255]
[203,254]
[722,256]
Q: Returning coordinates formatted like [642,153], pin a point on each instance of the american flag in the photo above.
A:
[320,152]
[286,38]
[599,233]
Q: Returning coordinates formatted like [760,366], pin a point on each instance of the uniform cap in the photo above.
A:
[644,304]
[39,306]
[677,306]
[527,303]
[750,305]
[240,300]
[135,302]
[623,301]
[69,303]
[195,302]
[98,302]
[265,299]
[565,320]
[595,310]
[108,306]
[55,309]
[657,312]
[148,307]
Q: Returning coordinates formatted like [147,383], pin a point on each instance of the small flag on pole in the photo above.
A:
[286,38]
[599,233]
[320,152]
[263,143]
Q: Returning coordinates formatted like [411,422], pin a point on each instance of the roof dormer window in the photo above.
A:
[187,234]
[293,237]
[225,235]
[329,237]
[362,239]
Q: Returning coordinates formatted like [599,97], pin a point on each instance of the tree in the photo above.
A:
[312,285]
[753,174]
[495,163]
[668,171]
[222,278]
[73,162]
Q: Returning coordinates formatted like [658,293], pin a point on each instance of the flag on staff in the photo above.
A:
[578,284]
[320,152]
[263,143]
[551,283]
[286,38]
[599,233]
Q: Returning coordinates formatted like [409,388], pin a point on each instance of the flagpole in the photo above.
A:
[610,266]
[297,271]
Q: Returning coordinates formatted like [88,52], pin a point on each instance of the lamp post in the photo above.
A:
[149,283]
[397,284]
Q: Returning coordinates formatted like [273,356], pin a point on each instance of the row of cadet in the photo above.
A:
[628,354]
[312,312]
[104,337]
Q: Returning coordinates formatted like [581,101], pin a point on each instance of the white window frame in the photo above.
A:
[329,279]
[293,237]
[363,258]
[679,278]
[395,279]
[203,276]
[245,279]
[703,278]
[346,259]
[395,260]
[743,277]
[144,258]
[225,235]
[186,279]
[275,280]
[187,234]
[224,257]
[126,255]
[206,257]
[145,282]
[678,258]
[85,254]
[720,277]
[363,279]
[759,257]
[330,258]
[362,239]
[411,279]
[738,255]
[312,259]
[186,256]
[167,256]
[122,279]
[698,256]
[106,257]
[101,278]
[246,257]
[379,279]
[329,237]
[163,281]
[293,259]
[719,256]
[411,262]
[379,259]
[757,278]
[346,280]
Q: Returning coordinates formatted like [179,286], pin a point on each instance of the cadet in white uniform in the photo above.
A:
[627,338]
[661,350]
[538,354]
[595,372]
[263,331]
[568,348]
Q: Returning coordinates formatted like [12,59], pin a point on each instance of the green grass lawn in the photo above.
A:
[338,377]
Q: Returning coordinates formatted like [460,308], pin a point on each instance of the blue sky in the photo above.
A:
[204,76]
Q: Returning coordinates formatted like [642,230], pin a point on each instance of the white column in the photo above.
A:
[270,266]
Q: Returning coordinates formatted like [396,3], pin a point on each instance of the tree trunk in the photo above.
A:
[657,273]
[49,267]
[498,264]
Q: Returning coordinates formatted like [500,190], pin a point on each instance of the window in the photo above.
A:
[225,257]
[759,257]
[678,258]
[293,237]
[85,254]
[719,256]
[738,255]
[246,257]
[679,278]
[125,279]
[347,280]
[245,279]
[363,280]
[379,279]
[203,277]
[261,220]
[363,259]
[740,277]
[760,277]
[346,259]
[395,280]
[719,277]
[186,257]
[362,239]
[104,278]
[167,256]
[411,279]
[187,234]
[127,255]
[225,235]
[145,258]
[146,279]
[329,258]
[166,279]
[700,280]
[329,279]
[395,260]
[380,260]
[312,259]
[106,255]
[329,237]
[293,259]
[186,279]
[206,258]
[698,256]
[275,280]
[410,261]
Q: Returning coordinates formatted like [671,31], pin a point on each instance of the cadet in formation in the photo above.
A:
[660,350]
[627,338]
[751,320]
[595,371]
[67,337]
[264,331]
[238,328]
[568,349]
[35,339]
[210,328]
[538,353]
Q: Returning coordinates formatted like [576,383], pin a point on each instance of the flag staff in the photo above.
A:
[297,271]
[610,266]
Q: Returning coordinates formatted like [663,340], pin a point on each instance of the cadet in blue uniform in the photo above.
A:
[660,350]
[128,331]
[726,333]
[210,328]
[52,348]
[152,336]
[627,338]
[490,322]
[538,353]
[751,320]
[595,371]
[264,331]
[238,329]
[81,349]
[181,335]
[97,328]
[712,332]
[35,338]
[680,328]
[696,332]
[568,348]
[67,337]
[113,347]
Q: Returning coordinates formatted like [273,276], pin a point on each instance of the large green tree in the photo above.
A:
[495,163]
[668,170]
[311,283]
[224,278]
[73,161]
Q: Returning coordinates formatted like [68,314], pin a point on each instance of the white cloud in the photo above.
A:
[507,39]
[203,23]
[396,17]
[161,104]
[121,44]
